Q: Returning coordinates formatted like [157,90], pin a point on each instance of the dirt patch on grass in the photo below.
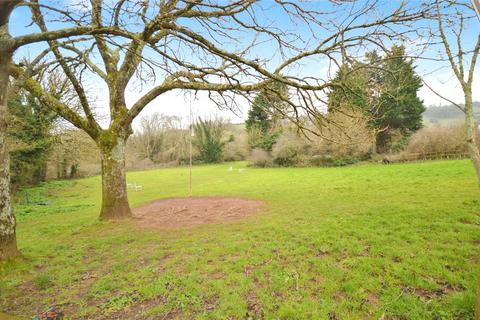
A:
[254,307]
[186,212]
[445,289]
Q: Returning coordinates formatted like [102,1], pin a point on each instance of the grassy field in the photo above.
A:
[360,242]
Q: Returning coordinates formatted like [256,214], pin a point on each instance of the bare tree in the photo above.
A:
[452,18]
[160,138]
[223,48]
[8,46]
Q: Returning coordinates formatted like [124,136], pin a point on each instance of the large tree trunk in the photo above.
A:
[8,243]
[114,185]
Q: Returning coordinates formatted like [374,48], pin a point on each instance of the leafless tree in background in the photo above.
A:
[160,138]
[452,20]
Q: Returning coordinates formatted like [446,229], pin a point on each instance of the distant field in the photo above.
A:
[443,122]
[447,115]
[361,242]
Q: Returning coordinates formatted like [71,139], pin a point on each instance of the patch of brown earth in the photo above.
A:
[187,212]
[254,307]
[446,288]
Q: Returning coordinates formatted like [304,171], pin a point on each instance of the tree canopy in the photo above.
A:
[386,89]
[31,138]
[267,109]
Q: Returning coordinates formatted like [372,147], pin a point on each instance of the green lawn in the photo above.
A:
[361,242]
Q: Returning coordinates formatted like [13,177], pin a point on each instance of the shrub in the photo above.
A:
[263,140]
[208,140]
[42,281]
[438,139]
[330,161]
[434,142]
[236,148]
[398,141]
[346,136]
[304,160]
[289,147]
[260,158]
[345,139]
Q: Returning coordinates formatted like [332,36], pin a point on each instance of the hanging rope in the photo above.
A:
[191,138]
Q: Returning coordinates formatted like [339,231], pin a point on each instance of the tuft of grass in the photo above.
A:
[42,281]
[362,242]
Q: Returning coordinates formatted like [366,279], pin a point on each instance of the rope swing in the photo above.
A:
[191,138]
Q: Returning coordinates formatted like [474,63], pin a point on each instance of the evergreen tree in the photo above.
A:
[399,106]
[208,140]
[385,88]
[352,90]
[30,129]
[267,110]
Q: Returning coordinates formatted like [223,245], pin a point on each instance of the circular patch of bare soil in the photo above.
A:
[186,212]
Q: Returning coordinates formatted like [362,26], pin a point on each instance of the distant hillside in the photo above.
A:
[445,114]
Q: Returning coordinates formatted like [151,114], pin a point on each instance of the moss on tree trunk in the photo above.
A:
[114,186]
[8,244]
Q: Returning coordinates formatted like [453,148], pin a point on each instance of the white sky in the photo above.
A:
[177,103]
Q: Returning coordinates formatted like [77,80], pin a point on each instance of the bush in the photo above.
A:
[263,140]
[398,141]
[330,161]
[208,140]
[260,158]
[289,147]
[434,142]
[438,139]
[345,139]
[236,148]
